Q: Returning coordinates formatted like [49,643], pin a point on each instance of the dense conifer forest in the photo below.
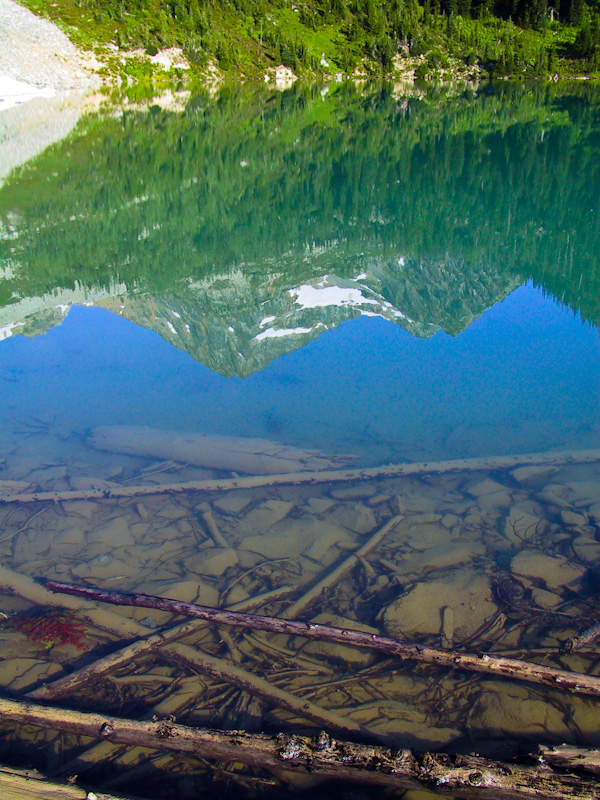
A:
[437,38]
[300,182]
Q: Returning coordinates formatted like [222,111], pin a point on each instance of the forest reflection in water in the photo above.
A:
[247,228]
[239,231]
[446,201]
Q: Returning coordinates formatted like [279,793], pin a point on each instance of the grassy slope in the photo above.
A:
[246,39]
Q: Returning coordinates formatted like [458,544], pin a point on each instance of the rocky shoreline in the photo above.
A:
[36,52]
[43,82]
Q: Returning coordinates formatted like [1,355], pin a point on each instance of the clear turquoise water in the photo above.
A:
[468,223]
[524,377]
[400,278]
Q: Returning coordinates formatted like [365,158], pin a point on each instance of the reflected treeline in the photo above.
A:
[318,180]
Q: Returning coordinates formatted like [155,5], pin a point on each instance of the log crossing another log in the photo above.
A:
[575,682]
[582,640]
[199,661]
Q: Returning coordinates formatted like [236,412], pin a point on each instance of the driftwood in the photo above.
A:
[584,639]
[569,757]
[104,666]
[107,664]
[324,757]
[335,575]
[202,662]
[121,627]
[575,682]
[14,583]
[231,453]
[220,670]
[21,784]
[270,596]
[326,476]
[211,526]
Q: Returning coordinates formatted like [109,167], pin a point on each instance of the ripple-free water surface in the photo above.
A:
[393,278]
[524,377]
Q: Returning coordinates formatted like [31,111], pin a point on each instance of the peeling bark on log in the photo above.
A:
[310,478]
[575,682]
[463,776]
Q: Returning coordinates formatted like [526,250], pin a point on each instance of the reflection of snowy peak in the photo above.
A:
[329,292]
[32,316]
[238,322]
[237,328]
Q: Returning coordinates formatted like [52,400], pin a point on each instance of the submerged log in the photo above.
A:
[337,573]
[272,695]
[106,664]
[231,453]
[26,784]
[569,757]
[315,477]
[211,526]
[575,682]
[323,756]
[217,668]
[15,583]
[109,663]
[584,639]
[122,628]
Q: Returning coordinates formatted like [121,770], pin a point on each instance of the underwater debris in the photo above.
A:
[52,628]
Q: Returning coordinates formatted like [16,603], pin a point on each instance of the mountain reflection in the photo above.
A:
[247,225]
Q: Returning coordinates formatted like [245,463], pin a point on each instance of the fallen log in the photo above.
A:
[566,756]
[231,453]
[272,695]
[121,627]
[582,640]
[220,670]
[15,583]
[211,526]
[318,477]
[323,756]
[338,572]
[104,666]
[575,682]
[107,664]
[27,784]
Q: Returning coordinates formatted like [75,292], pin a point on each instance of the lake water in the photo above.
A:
[378,275]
